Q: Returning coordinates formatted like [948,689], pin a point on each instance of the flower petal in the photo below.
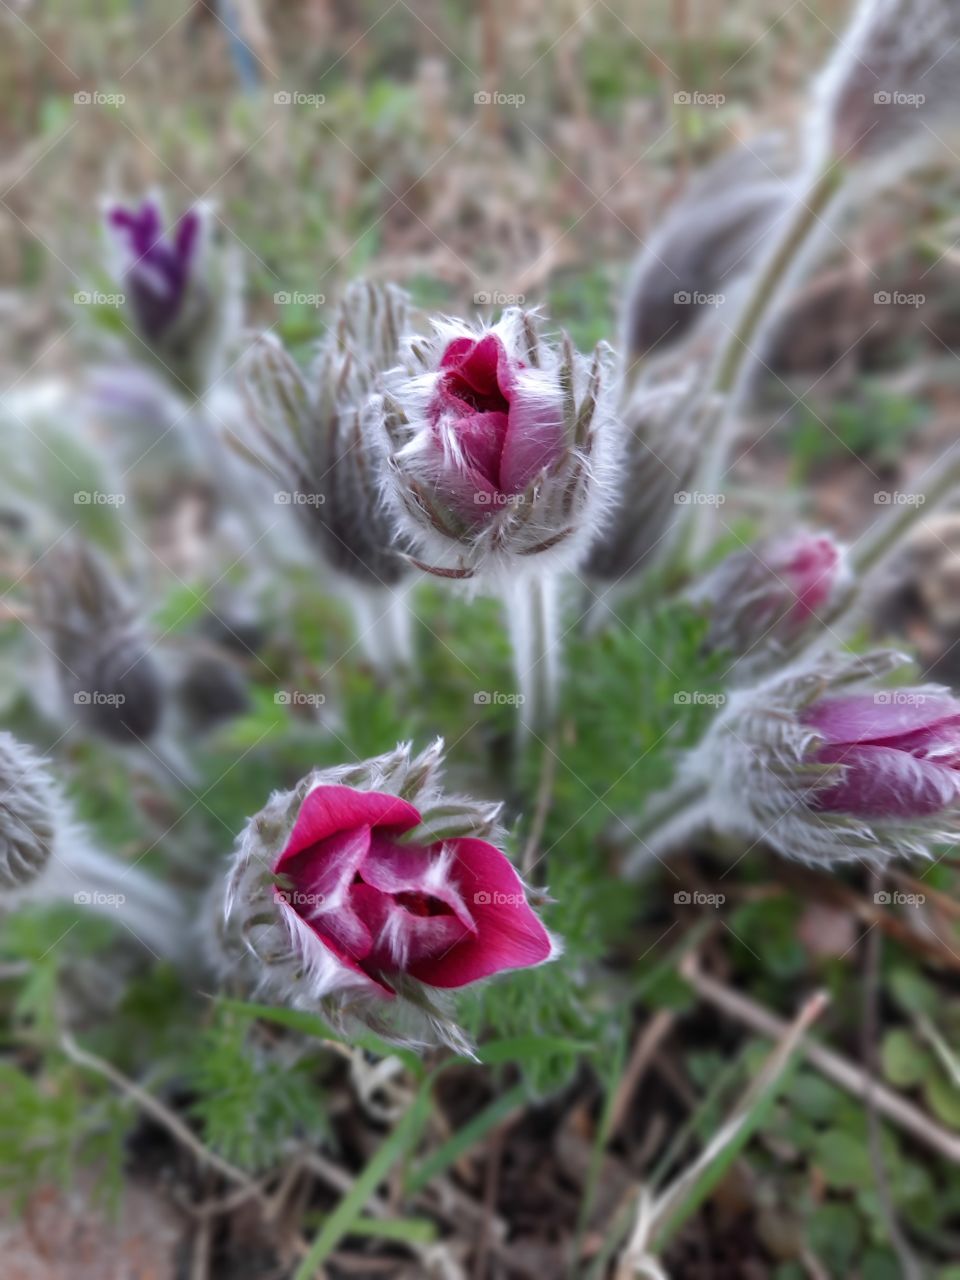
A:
[884,782]
[328,810]
[535,433]
[881,717]
[509,935]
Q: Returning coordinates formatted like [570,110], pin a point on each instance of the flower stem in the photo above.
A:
[737,353]
[531,618]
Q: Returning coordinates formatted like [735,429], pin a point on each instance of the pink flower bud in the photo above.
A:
[826,771]
[897,752]
[365,884]
[495,441]
[763,600]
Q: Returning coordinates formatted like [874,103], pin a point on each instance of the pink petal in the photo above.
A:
[883,782]
[477,440]
[394,868]
[327,810]
[479,372]
[308,936]
[811,572]
[535,433]
[323,870]
[509,935]
[882,717]
[402,936]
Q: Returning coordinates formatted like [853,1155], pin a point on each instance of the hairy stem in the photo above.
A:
[531,618]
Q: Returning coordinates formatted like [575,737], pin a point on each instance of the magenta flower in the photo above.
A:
[157,267]
[818,763]
[446,913]
[898,752]
[498,444]
[495,428]
[764,599]
[369,892]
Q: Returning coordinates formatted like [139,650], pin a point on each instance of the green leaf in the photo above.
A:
[341,1221]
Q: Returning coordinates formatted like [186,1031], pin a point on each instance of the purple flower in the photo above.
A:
[898,753]
[158,267]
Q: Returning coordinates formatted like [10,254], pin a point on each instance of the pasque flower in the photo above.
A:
[108,676]
[311,439]
[826,766]
[28,805]
[498,445]
[897,752]
[182,298]
[367,890]
[761,601]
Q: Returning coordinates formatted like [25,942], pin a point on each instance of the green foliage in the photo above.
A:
[248,1100]
[874,424]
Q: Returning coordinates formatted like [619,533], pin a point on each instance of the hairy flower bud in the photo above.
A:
[368,892]
[499,446]
[710,237]
[105,668]
[826,767]
[665,428]
[28,804]
[762,600]
[312,438]
[182,296]
[892,87]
